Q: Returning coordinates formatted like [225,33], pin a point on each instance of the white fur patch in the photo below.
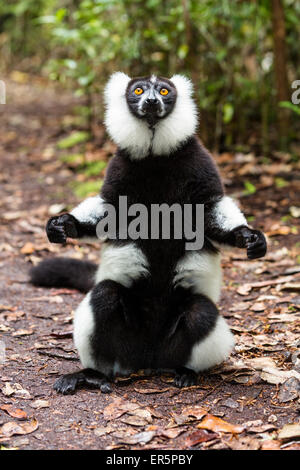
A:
[118,370]
[128,132]
[213,349]
[83,328]
[202,272]
[134,135]
[227,214]
[181,123]
[122,264]
[84,325]
[89,211]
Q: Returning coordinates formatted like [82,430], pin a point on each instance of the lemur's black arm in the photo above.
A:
[225,224]
[81,222]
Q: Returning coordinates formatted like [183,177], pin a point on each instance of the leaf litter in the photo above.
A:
[257,390]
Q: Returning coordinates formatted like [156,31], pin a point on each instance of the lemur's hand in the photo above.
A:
[253,240]
[60,227]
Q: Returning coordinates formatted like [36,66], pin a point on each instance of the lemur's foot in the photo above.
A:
[185,377]
[70,382]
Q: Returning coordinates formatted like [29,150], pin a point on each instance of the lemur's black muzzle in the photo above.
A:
[152,106]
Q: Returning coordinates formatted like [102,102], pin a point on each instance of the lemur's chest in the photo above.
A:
[151,182]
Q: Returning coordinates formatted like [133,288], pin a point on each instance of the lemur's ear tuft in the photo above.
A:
[183,85]
[116,86]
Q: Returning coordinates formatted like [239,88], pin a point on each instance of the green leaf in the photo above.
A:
[183,51]
[289,105]
[60,14]
[86,188]
[94,168]
[77,137]
[228,112]
[281,183]
[249,188]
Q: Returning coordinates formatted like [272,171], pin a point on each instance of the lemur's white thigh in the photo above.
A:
[122,264]
[83,328]
[214,349]
[202,272]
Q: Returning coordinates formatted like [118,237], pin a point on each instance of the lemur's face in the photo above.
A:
[151,98]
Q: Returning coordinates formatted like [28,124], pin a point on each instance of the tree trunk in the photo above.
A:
[280,62]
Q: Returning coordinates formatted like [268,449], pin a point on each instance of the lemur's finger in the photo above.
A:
[257,252]
[256,255]
[56,234]
[256,244]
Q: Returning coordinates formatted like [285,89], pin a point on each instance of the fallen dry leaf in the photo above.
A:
[259,363]
[15,389]
[258,307]
[119,407]
[270,444]
[292,286]
[258,426]
[289,431]
[244,443]
[187,415]
[196,411]
[102,430]
[169,433]
[139,438]
[22,333]
[289,390]
[28,249]
[147,391]
[38,404]
[277,376]
[199,436]
[215,424]
[14,412]
[11,428]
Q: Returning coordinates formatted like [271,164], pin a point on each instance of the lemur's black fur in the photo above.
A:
[153,323]
[66,272]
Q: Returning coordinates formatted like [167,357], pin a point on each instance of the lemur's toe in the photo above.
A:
[105,388]
[66,384]
[97,380]
[185,378]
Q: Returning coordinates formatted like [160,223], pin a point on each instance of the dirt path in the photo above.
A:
[260,300]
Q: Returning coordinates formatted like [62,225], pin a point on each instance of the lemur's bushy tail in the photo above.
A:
[64,272]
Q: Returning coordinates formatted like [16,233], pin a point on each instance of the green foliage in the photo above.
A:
[289,105]
[76,137]
[94,168]
[249,188]
[86,188]
[281,183]
[20,32]
[74,159]
[226,47]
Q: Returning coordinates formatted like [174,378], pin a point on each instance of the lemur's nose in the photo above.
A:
[152,101]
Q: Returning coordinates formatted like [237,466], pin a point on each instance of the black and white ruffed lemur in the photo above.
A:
[151,304]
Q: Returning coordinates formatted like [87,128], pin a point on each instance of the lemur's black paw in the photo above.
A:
[60,227]
[185,378]
[257,247]
[66,384]
[253,240]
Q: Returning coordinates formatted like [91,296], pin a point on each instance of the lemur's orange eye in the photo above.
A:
[138,91]
[164,91]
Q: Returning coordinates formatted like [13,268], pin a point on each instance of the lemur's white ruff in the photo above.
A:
[134,135]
